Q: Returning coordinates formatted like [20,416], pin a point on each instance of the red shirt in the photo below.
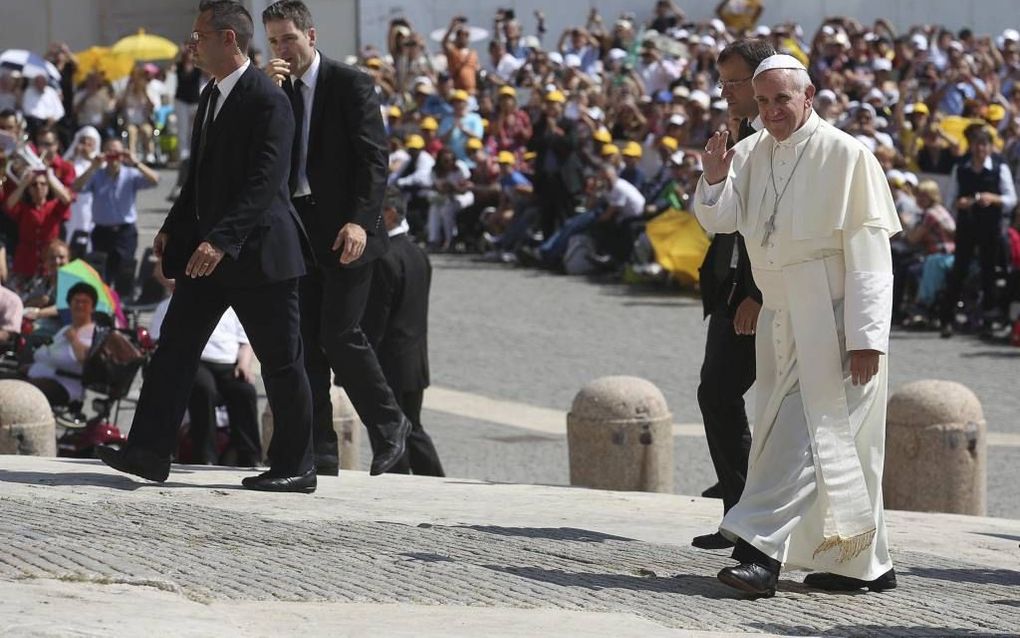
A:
[36,228]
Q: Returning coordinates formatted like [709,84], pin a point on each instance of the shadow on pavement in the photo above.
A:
[979,576]
[550,533]
[863,631]
[685,584]
[113,481]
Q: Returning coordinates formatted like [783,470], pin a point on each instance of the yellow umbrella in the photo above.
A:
[113,66]
[145,46]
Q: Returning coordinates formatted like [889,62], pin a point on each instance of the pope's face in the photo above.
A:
[782,104]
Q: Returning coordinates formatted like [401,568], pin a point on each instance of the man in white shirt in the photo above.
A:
[224,377]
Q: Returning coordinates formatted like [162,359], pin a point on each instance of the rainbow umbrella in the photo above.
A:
[80,271]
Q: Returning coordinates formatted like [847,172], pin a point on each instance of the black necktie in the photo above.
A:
[210,112]
[297,102]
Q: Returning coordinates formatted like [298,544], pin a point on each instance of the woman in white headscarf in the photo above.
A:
[80,153]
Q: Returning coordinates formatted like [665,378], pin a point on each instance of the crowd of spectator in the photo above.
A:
[559,150]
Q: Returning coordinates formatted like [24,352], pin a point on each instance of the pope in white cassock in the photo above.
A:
[815,210]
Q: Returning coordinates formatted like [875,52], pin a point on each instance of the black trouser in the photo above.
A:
[981,231]
[332,302]
[52,389]
[421,456]
[270,316]
[556,202]
[216,383]
[726,374]
[119,243]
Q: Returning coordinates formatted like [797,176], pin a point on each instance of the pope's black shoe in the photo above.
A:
[392,449]
[752,578]
[136,461]
[712,541]
[269,482]
[835,582]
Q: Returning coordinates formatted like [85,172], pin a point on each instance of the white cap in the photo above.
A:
[778,61]
[910,178]
[956,44]
[677,120]
[595,113]
[763,31]
[1011,35]
[617,54]
[875,94]
[677,157]
[720,105]
[708,41]
[865,107]
[531,42]
[572,60]
[556,58]
[882,64]
[825,95]
[717,25]
[919,41]
[828,30]
[894,175]
[681,91]
[700,97]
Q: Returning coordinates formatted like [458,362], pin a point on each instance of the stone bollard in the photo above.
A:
[27,426]
[620,436]
[936,449]
[345,421]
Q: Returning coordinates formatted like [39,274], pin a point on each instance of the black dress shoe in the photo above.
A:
[835,582]
[713,492]
[751,578]
[136,461]
[324,469]
[712,541]
[391,450]
[269,482]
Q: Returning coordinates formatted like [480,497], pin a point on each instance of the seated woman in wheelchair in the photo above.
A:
[57,368]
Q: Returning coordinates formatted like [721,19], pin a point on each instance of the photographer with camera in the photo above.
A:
[114,180]
[38,205]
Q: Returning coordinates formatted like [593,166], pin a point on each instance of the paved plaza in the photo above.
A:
[90,552]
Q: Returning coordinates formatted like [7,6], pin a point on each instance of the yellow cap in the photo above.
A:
[429,124]
[603,135]
[415,142]
[485,124]
[670,143]
[555,96]
[506,157]
[530,155]
[473,144]
[632,149]
[460,95]
[394,111]
[995,113]
[506,89]
[373,63]
[610,149]
[921,107]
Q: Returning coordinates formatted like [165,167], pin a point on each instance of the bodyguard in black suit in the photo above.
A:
[231,239]
[396,324]
[338,176]
[732,302]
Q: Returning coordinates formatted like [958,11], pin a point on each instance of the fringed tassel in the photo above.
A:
[849,548]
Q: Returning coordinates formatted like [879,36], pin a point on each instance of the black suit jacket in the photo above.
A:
[396,316]
[722,290]
[235,196]
[347,161]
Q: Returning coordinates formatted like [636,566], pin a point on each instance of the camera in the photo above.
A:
[508,14]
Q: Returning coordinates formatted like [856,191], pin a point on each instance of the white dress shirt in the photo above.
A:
[308,81]
[227,84]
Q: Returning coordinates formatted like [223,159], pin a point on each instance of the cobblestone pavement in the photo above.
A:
[207,553]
